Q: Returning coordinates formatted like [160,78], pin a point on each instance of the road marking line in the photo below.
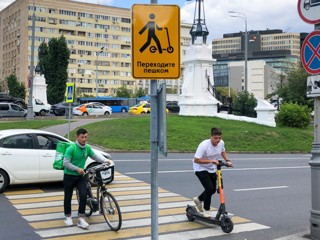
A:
[261,188]
[208,232]
[229,169]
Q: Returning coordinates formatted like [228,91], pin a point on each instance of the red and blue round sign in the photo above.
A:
[310,53]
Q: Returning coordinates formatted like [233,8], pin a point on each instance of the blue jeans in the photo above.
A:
[209,182]
[69,183]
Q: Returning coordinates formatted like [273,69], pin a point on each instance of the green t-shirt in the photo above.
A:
[78,157]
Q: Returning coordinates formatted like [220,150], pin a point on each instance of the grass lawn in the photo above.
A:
[34,124]
[185,133]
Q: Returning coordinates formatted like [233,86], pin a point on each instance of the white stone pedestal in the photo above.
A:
[195,98]
[39,90]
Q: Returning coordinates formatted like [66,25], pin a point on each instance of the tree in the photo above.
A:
[55,62]
[123,92]
[16,89]
[295,88]
[140,93]
[244,104]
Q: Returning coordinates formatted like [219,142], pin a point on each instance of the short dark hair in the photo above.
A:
[216,131]
[81,131]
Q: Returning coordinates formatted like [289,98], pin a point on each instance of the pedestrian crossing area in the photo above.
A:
[44,213]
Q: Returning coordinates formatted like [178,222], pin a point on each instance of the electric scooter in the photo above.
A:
[221,219]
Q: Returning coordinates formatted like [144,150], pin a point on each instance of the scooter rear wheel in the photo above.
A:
[227,225]
[189,214]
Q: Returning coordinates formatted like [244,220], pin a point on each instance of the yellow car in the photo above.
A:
[141,108]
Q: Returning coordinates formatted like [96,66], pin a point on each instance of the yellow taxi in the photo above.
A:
[140,108]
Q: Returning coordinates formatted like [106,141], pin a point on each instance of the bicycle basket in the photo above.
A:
[105,175]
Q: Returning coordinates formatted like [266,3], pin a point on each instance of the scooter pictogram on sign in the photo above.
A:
[310,53]
[151,27]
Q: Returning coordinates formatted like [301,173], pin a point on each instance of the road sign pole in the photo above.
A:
[315,170]
[154,155]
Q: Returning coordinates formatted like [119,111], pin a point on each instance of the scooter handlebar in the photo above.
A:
[223,164]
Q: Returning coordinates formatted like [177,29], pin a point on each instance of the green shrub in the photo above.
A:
[293,115]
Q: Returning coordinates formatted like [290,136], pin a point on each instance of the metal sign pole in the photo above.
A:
[154,156]
[69,117]
[315,170]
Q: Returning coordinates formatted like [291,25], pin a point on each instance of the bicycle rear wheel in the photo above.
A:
[88,210]
[110,210]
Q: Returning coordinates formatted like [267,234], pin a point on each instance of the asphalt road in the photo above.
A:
[268,189]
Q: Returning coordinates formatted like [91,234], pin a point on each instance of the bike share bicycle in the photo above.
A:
[221,219]
[104,202]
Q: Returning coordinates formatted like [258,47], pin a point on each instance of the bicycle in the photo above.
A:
[104,202]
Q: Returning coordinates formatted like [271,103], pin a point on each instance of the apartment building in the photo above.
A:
[98,37]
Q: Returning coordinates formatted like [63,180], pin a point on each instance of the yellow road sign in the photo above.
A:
[155,41]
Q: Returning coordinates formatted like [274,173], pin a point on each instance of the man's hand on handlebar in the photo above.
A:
[110,162]
[81,171]
[229,163]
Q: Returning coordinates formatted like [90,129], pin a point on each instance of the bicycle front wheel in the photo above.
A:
[111,210]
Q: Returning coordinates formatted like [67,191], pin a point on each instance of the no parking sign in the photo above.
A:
[310,53]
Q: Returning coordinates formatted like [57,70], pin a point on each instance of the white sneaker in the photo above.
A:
[198,204]
[82,223]
[206,214]
[68,222]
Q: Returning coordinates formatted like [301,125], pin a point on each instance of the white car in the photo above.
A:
[27,155]
[92,108]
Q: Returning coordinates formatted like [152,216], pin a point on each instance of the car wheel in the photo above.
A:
[85,114]
[4,180]
[123,110]
[20,104]
[107,113]
[42,113]
[56,112]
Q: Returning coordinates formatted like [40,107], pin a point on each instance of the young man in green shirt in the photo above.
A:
[74,163]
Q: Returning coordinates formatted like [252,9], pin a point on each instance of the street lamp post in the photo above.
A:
[244,17]
[30,114]
[97,88]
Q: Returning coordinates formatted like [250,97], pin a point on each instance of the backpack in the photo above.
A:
[60,152]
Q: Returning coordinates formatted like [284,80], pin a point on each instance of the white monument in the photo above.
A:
[39,90]
[196,97]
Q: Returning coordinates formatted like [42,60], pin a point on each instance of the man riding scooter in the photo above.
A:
[205,166]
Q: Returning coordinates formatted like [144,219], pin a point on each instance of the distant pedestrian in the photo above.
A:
[205,164]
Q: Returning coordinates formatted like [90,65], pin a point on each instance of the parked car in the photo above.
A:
[140,108]
[59,109]
[27,155]
[93,108]
[4,97]
[173,107]
[12,110]
[40,108]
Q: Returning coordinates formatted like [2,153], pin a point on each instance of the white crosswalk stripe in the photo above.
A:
[44,212]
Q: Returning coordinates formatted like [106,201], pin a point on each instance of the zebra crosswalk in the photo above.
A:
[44,213]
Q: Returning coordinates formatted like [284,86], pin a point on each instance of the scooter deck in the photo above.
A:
[197,215]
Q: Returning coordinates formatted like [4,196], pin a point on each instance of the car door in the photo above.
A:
[17,111]
[46,145]
[97,109]
[19,157]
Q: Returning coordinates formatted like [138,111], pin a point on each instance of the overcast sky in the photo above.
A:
[261,15]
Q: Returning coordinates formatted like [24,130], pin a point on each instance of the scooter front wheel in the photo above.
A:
[189,214]
[226,225]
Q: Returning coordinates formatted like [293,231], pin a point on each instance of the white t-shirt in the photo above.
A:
[207,151]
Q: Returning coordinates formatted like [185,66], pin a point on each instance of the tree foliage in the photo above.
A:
[295,88]
[55,59]
[16,89]
[244,104]
[123,92]
[140,93]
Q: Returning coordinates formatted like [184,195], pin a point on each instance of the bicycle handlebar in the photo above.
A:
[98,167]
